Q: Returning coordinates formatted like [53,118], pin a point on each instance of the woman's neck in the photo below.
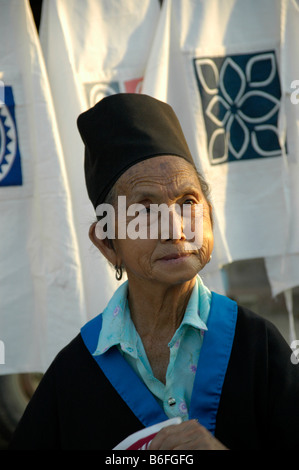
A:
[158,309]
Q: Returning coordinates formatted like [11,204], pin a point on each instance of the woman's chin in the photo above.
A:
[176,271]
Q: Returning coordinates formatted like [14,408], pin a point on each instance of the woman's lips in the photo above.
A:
[175,257]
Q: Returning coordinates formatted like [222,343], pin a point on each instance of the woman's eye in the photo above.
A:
[189,201]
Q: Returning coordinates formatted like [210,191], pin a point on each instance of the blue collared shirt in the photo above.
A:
[118,330]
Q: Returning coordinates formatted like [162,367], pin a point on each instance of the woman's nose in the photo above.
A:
[173,227]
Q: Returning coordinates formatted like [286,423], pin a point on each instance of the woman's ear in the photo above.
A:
[104,245]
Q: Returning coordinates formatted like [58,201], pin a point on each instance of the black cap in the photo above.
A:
[122,130]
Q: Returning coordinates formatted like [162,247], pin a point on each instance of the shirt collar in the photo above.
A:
[117,326]
[119,329]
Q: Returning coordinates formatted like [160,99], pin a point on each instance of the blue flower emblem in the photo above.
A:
[240,96]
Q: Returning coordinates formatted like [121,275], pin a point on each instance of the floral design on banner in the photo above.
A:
[10,160]
[240,96]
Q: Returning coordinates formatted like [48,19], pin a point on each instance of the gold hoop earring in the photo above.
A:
[118,272]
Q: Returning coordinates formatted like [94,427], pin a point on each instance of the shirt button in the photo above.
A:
[171,401]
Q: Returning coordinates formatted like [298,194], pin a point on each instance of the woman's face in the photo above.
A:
[172,259]
[169,258]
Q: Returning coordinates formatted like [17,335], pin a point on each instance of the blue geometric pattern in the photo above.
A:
[10,161]
[240,96]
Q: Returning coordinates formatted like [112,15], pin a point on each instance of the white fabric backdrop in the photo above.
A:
[41,298]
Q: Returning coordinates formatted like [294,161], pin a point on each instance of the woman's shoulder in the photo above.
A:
[72,360]
[256,335]
[255,322]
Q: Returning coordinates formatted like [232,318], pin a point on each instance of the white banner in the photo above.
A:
[42,302]
[283,270]
[220,65]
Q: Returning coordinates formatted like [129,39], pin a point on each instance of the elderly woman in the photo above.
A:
[165,346]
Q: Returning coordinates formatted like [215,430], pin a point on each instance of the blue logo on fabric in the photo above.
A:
[10,161]
[240,97]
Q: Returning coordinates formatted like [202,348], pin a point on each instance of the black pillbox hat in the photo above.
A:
[122,130]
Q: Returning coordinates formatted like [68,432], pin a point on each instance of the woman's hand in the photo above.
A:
[189,435]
